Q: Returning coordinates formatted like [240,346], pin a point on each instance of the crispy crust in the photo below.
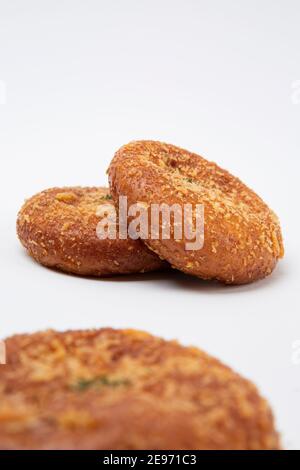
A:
[125,389]
[242,236]
[58,229]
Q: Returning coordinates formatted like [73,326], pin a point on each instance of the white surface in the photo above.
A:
[215,77]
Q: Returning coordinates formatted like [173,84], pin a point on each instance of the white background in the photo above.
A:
[81,78]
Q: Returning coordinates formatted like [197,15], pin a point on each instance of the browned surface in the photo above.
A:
[58,229]
[243,239]
[124,389]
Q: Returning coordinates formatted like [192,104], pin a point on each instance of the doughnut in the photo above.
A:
[126,390]
[242,236]
[58,229]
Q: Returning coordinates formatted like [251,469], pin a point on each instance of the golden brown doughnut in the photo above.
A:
[125,389]
[242,236]
[58,229]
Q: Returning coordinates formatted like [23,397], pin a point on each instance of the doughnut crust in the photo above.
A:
[58,229]
[242,236]
[125,389]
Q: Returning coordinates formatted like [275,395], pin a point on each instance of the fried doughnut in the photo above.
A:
[58,229]
[125,389]
[242,236]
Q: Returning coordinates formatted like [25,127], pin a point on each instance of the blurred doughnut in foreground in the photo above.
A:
[125,389]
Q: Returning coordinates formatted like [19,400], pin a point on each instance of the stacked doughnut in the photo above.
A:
[58,227]
[242,239]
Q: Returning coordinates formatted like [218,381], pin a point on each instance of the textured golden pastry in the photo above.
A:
[242,236]
[58,229]
[125,389]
